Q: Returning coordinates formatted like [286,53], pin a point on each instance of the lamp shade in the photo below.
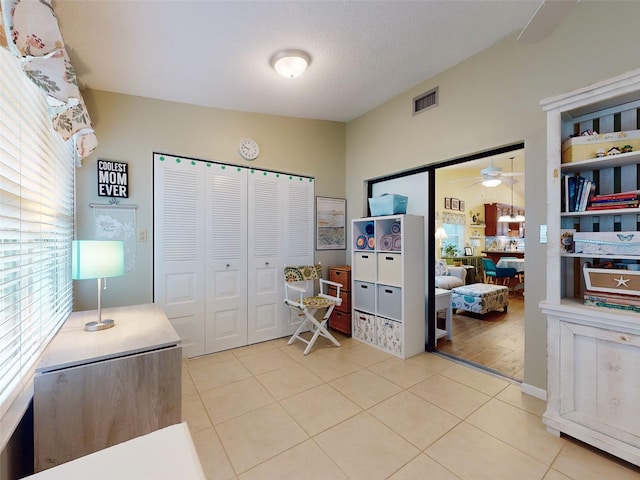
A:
[97,259]
[290,63]
[491,182]
[441,234]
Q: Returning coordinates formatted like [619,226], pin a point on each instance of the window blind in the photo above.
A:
[36,227]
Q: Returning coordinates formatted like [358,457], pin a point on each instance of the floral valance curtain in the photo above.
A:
[29,30]
[453,218]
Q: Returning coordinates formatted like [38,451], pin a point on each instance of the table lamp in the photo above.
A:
[97,259]
[441,235]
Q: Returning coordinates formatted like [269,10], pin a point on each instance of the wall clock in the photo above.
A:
[249,149]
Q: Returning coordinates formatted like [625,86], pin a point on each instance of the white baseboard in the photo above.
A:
[534,391]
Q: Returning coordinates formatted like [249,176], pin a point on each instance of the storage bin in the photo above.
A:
[607,243]
[363,327]
[365,267]
[612,280]
[388,204]
[364,296]
[586,147]
[389,335]
[390,301]
[390,268]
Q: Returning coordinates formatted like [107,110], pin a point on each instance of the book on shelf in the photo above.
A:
[617,306]
[613,198]
[610,206]
[614,298]
[630,195]
[576,192]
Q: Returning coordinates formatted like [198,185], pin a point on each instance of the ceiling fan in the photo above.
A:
[546,18]
[491,176]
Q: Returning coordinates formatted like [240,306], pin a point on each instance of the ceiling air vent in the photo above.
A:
[425,101]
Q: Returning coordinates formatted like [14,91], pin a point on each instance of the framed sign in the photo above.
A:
[331,227]
[461,206]
[113,179]
[447,202]
[468,251]
[455,204]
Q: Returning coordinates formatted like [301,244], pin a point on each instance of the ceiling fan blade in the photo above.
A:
[458,180]
[548,16]
[513,174]
[508,181]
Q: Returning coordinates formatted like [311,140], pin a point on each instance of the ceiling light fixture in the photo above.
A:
[491,182]
[290,63]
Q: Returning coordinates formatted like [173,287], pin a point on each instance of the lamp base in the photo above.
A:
[97,326]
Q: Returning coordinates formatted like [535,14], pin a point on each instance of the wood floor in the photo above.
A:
[495,341]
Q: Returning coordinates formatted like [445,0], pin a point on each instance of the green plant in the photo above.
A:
[450,250]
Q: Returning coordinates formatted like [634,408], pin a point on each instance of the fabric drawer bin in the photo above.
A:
[390,301]
[364,296]
[390,268]
[365,267]
[363,327]
[389,335]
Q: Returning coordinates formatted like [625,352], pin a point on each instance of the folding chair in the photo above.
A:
[294,293]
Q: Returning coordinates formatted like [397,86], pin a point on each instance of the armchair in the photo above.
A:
[448,276]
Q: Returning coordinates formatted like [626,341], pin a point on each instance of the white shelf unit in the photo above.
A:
[388,283]
[593,353]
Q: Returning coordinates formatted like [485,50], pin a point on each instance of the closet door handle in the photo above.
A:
[228,265]
[266,264]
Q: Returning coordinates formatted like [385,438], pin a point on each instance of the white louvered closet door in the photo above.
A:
[178,274]
[226,257]
[266,193]
[222,236]
[298,235]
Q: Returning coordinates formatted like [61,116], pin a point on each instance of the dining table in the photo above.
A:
[507,262]
[518,264]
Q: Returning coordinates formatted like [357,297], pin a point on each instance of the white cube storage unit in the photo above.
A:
[388,283]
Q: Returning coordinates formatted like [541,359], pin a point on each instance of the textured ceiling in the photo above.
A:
[216,53]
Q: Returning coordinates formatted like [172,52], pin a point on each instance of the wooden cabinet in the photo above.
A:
[388,283]
[93,390]
[593,352]
[493,228]
[340,319]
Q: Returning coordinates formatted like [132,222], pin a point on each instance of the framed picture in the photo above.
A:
[468,251]
[461,206]
[455,204]
[447,202]
[331,227]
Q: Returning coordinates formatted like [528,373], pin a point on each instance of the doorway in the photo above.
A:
[452,198]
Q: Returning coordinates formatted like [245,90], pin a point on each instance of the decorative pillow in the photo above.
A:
[441,268]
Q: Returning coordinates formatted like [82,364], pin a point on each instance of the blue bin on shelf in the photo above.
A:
[388,204]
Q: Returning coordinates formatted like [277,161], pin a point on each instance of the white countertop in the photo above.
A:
[138,328]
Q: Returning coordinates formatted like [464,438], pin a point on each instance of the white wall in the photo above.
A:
[492,100]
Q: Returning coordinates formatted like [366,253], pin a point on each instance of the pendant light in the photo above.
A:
[511,218]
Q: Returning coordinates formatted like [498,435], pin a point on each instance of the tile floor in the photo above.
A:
[266,411]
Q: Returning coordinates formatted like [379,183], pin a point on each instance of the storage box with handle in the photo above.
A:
[388,204]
